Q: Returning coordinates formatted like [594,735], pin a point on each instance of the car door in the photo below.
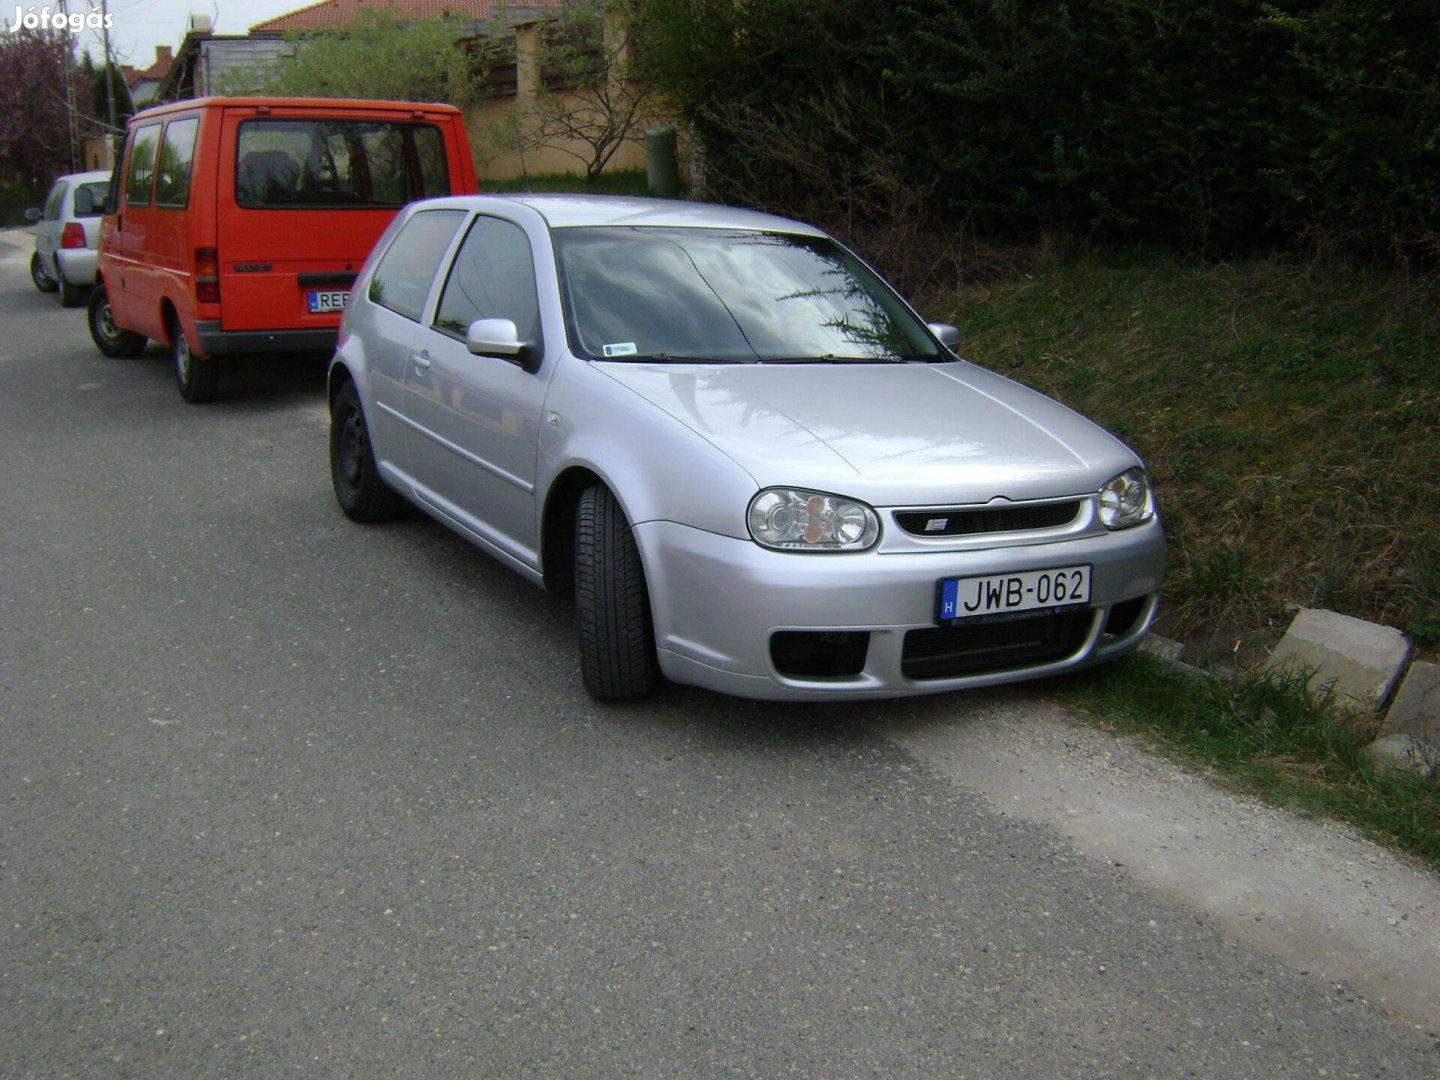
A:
[47,232]
[387,318]
[480,415]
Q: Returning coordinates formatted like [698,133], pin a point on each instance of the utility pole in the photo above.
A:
[72,127]
[109,78]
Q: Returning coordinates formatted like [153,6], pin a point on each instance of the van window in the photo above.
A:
[141,177]
[177,153]
[306,164]
[402,280]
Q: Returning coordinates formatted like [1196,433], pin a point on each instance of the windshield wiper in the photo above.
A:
[674,358]
[829,358]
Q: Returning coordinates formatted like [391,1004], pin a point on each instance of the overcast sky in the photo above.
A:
[140,25]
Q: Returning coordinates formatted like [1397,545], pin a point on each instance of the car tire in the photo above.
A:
[109,338]
[359,489]
[43,281]
[71,295]
[617,637]
[198,377]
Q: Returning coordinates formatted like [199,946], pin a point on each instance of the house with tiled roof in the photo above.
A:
[143,83]
[338,14]
[206,64]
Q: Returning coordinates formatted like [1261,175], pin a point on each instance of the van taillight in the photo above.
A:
[207,275]
[73,235]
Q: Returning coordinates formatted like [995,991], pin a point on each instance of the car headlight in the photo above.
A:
[790,519]
[1127,501]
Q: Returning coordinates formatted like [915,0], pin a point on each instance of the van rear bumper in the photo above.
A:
[213,341]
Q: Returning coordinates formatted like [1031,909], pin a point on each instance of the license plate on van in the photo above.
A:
[324,302]
[1001,594]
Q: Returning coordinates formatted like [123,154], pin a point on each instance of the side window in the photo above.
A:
[55,200]
[493,277]
[141,177]
[177,154]
[402,280]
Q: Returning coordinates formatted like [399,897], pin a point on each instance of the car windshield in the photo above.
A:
[728,296]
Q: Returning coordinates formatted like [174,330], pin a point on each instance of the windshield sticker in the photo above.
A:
[624,348]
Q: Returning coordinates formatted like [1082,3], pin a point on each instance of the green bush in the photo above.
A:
[1217,125]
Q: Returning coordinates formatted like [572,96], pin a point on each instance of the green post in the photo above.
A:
[662,168]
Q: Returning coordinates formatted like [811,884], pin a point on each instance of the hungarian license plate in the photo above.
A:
[1002,594]
[322,302]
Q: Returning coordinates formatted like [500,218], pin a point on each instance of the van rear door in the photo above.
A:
[304,195]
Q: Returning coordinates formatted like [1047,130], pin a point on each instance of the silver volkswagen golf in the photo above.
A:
[749,462]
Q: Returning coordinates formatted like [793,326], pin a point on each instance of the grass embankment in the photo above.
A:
[1291,420]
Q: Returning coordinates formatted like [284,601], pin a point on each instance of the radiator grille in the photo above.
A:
[991,519]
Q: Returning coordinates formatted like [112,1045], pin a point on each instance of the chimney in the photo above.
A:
[163,55]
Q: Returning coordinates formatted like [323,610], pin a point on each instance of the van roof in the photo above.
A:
[329,105]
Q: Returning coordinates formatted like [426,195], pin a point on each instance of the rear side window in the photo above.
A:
[306,164]
[54,199]
[177,155]
[98,190]
[402,280]
[141,178]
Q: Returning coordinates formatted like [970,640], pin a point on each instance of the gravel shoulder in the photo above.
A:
[1314,893]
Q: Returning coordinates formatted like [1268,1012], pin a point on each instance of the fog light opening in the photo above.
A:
[819,654]
[1123,616]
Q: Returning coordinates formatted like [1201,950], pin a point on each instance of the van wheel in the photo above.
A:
[617,639]
[71,295]
[359,490]
[43,281]
[109,338]
[198,377]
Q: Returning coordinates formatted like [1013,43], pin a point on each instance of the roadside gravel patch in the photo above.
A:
[1315,893]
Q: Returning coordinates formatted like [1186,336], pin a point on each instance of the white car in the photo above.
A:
[67,233]
[751,464]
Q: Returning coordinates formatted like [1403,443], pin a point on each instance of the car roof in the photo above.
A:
[85,177]
[571,211]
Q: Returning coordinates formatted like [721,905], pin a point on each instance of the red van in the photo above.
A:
[236,226]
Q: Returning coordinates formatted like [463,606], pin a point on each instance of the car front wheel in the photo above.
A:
[43,281]
[198,377]
[359,490]
[109,338]
[617,638]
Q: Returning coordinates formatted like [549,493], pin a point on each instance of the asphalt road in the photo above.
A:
[284,795]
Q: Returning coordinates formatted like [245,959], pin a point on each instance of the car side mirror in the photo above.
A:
[34,214]
[948,335]
[111,203]
[499,337]
[84,202]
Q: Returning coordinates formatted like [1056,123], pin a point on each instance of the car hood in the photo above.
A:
[892,434]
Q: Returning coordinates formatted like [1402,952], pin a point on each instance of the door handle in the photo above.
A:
[420,359]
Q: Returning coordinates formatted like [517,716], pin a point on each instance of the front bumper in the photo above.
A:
[718,600]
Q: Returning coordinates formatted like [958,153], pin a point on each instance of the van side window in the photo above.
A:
[177,154]
[493,277]
[141,177]
[402,280]
[314,164]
